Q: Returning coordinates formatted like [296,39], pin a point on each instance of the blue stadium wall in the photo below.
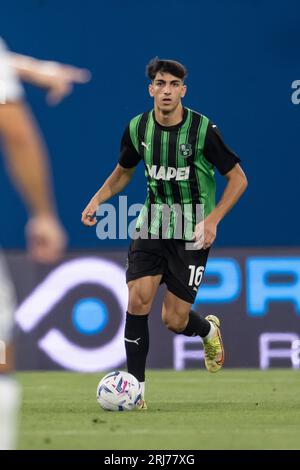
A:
[243,59]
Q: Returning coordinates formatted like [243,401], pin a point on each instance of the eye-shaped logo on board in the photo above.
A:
[56,285]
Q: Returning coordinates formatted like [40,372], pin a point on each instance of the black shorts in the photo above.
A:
[182,269]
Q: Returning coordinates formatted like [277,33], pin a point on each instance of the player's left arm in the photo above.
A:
[228,165]
[235,187]
[57,78]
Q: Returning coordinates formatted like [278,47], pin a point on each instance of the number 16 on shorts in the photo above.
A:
[196,274]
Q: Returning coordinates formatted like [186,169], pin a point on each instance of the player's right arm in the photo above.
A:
[116,182]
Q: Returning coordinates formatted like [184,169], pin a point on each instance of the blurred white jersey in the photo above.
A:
[10,86]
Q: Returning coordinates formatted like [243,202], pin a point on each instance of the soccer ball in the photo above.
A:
[119,391]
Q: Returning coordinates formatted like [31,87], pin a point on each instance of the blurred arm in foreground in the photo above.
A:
[57,78]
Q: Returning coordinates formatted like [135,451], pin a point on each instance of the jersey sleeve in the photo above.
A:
[216,151]
[11,89]
[129,157]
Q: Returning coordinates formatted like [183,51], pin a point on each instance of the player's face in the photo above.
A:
[167,91]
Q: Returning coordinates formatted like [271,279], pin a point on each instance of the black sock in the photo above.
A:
[136,344]
[196,326]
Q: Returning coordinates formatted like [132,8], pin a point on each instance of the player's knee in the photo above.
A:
[139,300]
[174,322]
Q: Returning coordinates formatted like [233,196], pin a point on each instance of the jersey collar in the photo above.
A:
[171,128]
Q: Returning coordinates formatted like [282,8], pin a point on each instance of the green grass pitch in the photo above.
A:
[233,409]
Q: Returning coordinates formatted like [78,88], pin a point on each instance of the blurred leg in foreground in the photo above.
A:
[27,162]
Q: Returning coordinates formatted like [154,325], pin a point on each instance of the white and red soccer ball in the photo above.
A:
[119,391]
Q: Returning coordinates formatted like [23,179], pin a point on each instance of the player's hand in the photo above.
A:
[88,216]
[205,234]
[59,80]
[46,238]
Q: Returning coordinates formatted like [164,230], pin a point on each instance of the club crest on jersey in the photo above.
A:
[186,150]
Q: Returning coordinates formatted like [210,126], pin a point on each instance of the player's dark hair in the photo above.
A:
[166,66]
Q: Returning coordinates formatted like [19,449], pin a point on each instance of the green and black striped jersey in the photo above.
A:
[179,166]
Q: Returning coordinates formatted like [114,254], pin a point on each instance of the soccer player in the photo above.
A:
[179,148]
[27,161]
